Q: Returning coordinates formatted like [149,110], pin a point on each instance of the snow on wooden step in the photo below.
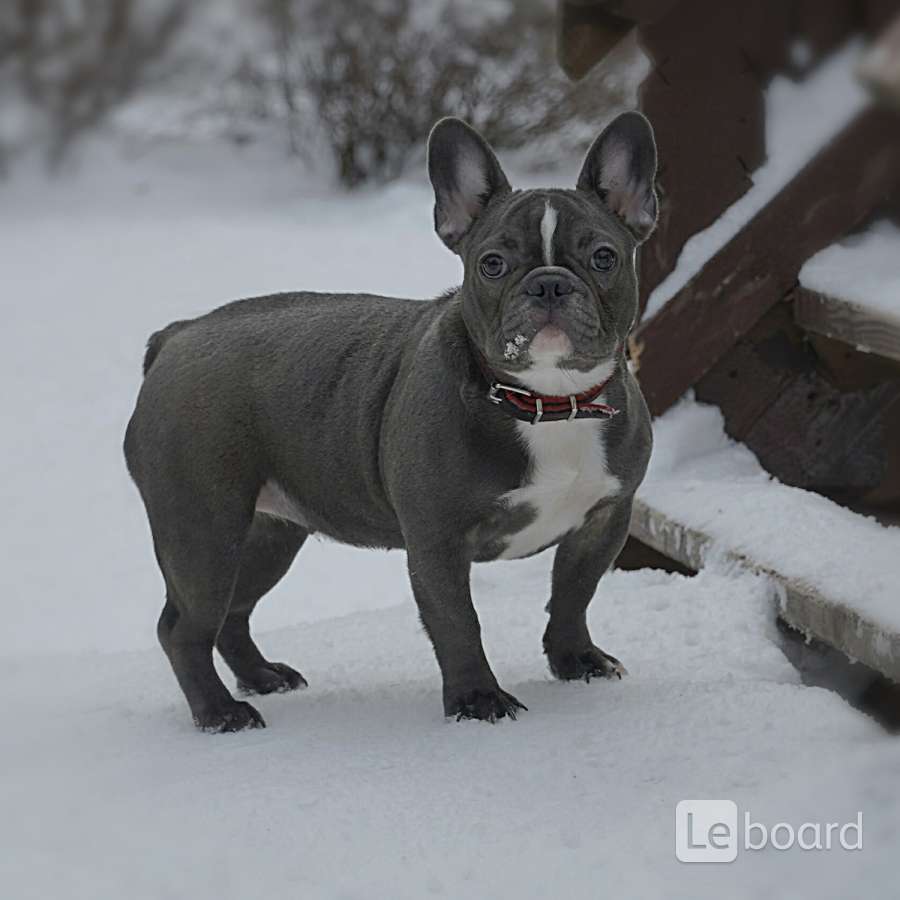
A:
[707,500]
[853,291]
[801,118]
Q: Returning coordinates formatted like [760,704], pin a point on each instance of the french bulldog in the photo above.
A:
[493,422]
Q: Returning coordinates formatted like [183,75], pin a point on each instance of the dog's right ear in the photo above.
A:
[465,175]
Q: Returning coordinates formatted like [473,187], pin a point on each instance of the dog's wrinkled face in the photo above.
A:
[549,283]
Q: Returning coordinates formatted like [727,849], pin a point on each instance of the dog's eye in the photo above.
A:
[604,259]
[493,265]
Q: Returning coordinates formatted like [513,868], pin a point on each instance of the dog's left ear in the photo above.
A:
[620,167]
[465,175]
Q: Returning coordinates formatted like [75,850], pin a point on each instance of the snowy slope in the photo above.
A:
[358,788]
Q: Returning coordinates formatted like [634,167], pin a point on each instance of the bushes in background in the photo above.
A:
[360,82]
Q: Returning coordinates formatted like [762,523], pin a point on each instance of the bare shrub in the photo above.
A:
[73,62]
[370,77]
[359,82]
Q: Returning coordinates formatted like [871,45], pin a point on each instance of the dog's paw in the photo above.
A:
[234,717]
[270,679]
[584,665]
[487,705]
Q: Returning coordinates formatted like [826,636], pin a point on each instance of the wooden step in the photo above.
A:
[800,605]
[850,291]
[707,501]
[868,330]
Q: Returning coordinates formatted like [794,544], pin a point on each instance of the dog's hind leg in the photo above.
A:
[269,550]
[199,549]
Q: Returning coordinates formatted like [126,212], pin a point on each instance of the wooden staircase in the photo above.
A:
[807,379]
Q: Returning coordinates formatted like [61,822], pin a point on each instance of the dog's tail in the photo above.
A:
[158,339]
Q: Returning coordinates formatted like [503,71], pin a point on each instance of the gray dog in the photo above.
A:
[490,423]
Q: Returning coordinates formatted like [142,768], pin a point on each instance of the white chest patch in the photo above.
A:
[567,477]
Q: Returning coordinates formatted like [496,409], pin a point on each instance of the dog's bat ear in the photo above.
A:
[620,168]
[465,175]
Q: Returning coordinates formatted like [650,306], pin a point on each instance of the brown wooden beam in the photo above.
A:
[638,12]
[867,329]
[704,96]
[856,173]
[818,414]
[637,555]
[584,35]
[880,67]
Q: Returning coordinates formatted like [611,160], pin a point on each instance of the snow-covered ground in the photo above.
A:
[358,788]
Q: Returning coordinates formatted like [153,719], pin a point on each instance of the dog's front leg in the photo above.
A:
[581,559]
[440,581]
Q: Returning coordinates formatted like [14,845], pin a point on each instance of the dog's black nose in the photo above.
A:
[549,285]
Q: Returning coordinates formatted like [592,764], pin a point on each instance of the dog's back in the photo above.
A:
[247,387]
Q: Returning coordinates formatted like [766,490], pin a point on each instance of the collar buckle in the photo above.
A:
[537,411]
[496,387]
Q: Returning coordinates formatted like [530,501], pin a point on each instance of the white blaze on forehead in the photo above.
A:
[548,226]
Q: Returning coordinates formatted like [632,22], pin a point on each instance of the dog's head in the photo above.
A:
[550,289]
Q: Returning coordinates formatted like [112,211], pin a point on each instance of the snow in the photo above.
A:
[801,117]
[91,266]
[863,269]
[358,788]
[704,480]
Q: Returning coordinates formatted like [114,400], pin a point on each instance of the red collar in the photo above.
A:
[530,406]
